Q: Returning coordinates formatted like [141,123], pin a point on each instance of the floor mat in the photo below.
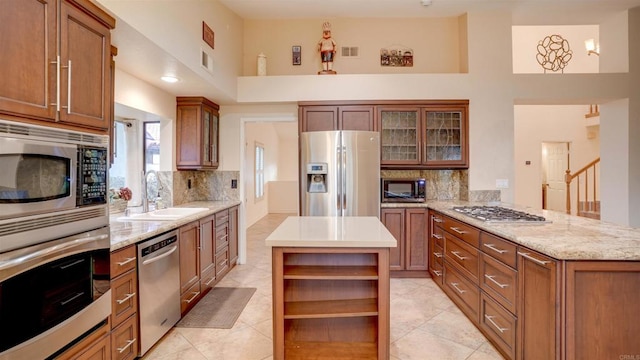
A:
[219,309]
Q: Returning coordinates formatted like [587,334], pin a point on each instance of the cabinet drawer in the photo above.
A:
[437,234]
[222,237]
[125,340]
[465,232]
[463,292]
[222,217]
[208,279]
[123,260]
[463,256]
[190,297]
[222,262]
[499,325]
[500,249]
[499,280]
[124,297]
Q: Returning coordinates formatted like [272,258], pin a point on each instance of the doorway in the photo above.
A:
[555,160]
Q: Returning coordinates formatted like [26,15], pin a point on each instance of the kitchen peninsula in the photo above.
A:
[331,288]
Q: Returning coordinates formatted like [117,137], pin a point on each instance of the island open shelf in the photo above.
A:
[331,303]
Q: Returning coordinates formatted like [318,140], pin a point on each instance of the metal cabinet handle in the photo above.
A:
[210,281]
[456,254]
[57,62]
[439,237]
[129,343]
[461,232]
[491,277]
[494,248]
[437,254]
[77,295]
[128,260]
[455,286]
[526,255]
[195,295]
[437,219]
[490,319]
[437,272]
[69,87]
[129,296]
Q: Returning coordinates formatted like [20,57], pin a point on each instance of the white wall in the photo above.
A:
[614,125]
[550,123]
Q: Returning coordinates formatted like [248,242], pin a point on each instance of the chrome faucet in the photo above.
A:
[145,189]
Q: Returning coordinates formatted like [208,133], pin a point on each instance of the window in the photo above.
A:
[259,172]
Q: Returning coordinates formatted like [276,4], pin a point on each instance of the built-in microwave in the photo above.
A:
[53,183]
[403,190]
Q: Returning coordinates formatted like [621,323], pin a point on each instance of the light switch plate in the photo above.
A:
[502,183]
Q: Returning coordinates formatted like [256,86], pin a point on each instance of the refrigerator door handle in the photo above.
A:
[344,181]
[338,178]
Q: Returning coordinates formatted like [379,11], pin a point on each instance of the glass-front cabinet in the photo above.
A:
[197,136]
[426,136]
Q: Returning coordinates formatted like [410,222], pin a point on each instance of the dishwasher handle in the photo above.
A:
[161,256]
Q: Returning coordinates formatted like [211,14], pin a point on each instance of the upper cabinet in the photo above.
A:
[337,117]
[197,128]
[431,136]
[58,63]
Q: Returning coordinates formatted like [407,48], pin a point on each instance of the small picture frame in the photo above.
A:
[207,34]
[296,53]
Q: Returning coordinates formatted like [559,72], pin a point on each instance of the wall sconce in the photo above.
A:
[592,47]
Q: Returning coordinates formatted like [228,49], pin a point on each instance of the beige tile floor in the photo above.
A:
[425,324]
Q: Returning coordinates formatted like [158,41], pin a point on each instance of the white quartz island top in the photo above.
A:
[327,231]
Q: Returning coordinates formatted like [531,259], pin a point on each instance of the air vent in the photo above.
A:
[205,60]
[349,51]
[53,220]
[49,134]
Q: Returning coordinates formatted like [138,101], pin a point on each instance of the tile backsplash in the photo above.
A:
[180,187]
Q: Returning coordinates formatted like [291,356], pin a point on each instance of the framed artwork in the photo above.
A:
[207,34]
[396,56]
[296,53]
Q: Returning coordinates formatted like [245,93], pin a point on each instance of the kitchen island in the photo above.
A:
[331,288]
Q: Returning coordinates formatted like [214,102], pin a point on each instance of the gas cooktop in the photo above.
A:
[497,214]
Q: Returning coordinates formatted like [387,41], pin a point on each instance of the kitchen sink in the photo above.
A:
[168,214]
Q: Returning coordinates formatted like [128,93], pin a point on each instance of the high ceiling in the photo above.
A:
[539,12]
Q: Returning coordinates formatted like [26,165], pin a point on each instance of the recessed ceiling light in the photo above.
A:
[169,79]
[425,2]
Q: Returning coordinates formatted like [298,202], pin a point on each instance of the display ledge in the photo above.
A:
[310,272]
[330,309]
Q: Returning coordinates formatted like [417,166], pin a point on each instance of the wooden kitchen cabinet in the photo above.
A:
[436,249]
[60,64]
[197,134]
[206,249]
[429,135]
[336,117]
[222,243]
[539,306]
[96,346]
[410,228]
[233,235]
[124,304]
[189,265]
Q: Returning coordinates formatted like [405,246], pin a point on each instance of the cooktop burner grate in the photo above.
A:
[497,214]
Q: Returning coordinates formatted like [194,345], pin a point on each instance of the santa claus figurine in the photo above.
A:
[327,48]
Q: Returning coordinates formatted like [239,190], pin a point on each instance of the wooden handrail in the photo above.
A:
[568,178]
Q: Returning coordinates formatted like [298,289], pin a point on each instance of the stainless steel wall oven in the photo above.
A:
[54,239]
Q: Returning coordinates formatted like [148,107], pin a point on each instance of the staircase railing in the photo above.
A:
[586,202]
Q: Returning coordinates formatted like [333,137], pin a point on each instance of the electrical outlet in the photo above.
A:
[502,183]
[188,183]
[234,183]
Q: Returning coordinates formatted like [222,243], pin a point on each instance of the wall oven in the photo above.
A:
[54,239]
[53,183]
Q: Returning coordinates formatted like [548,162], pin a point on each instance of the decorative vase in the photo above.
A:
[262,65]
[117,206]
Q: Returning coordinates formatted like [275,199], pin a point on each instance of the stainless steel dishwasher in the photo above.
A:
[159,284]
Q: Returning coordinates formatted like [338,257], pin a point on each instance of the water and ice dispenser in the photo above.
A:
[317,177]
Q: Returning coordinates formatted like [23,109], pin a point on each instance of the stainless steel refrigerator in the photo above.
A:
[340,173]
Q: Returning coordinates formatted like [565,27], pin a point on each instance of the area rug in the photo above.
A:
[219,309]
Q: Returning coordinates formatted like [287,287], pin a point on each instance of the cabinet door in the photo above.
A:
[233,235]
[445,137]
[400,141]
[356,118]
[539,306]
[206,244]
[319,118]
[416,239]
[393,220]
[189,256]
[85,84]
[209,137]
[27,67]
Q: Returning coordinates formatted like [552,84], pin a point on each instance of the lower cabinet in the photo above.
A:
[96,346]
[189,241]
[124,304]
[410,227]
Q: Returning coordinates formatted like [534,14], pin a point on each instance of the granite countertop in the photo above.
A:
[567,237]
[124,233]
[328,231]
